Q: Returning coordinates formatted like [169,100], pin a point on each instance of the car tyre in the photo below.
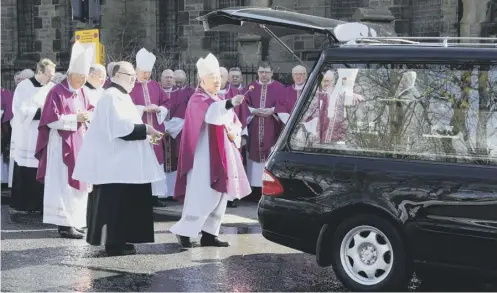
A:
[369,255]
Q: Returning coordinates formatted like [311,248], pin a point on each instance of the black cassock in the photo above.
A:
[27,192]
[121,213]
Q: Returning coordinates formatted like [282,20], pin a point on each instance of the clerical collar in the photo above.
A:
[90,86]
[270,82]
[118,87]
[35,82]
[298,87]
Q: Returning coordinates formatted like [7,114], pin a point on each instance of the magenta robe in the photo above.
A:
[287,101]
[263,132]
[241,111]
[106,83]
[194,119]
[152,94]
[6,129]
[329,129]
[319,109]
[61,101]
[6,105]
[178,102]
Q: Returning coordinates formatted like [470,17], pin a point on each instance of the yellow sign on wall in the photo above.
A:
[91,38]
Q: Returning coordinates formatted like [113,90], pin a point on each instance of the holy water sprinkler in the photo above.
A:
[251,88]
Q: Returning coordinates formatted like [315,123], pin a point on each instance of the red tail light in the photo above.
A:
[270,185]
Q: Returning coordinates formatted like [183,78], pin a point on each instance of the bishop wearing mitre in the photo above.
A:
[119,160]
[210,169]
[152,104]
[63,123]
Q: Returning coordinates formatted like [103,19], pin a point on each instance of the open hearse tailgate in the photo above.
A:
[281,23]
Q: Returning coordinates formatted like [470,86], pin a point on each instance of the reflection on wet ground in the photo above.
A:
[35,259]
[254,229]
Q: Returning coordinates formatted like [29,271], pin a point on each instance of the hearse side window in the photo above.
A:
[436,112]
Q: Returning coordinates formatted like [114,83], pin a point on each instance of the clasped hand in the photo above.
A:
[151,108]
[82,116]
[263,112]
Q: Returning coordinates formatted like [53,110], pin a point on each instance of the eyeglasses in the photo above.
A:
[128,74]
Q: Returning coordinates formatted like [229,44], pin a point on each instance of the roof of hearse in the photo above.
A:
[407,53]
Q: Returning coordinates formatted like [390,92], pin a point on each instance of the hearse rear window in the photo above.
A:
[431,112]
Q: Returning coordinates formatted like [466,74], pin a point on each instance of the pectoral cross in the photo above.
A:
[84,124]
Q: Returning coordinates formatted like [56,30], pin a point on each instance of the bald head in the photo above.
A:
[299,74]
[167,79]
[299,69]
[328,80]
[224,76]
[179,78]
[124,74]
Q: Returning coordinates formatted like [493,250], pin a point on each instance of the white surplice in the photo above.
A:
[27,100]
[204,207]
[173,128]
[93,95]
[62,204]
[106,158]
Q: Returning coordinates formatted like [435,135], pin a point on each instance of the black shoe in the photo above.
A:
[70,232]
[233,204]
[118,250]
[211,240]
[184,241]
[159,202]
[81,230]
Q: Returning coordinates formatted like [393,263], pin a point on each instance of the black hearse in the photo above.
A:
[396,168]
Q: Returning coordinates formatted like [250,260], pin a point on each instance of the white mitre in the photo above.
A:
[208,65]
[145,60]
[81,59]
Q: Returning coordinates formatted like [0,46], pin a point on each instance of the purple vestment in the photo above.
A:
[145,94]
[6,105]
[178,102]
[62,101]
[107,83]
[240,111]
[220,173]
[263,131]
[287,101]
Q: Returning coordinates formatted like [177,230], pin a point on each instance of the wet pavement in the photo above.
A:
[35,259]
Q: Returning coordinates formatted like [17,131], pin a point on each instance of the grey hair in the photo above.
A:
[26,73]
[235,69]
[110,67]
[43,64]
[97,68]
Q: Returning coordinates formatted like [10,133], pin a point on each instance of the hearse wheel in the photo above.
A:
[368,255]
